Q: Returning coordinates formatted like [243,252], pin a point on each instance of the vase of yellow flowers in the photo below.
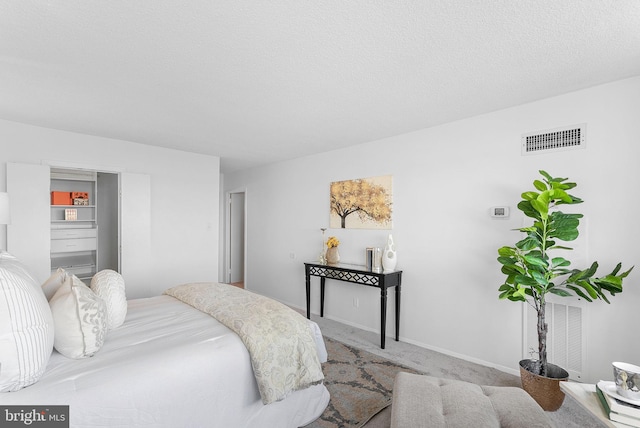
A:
[333,257]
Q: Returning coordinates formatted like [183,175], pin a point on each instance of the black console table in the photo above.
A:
[358,275]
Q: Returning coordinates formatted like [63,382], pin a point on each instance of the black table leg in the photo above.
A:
[398,293]
[383,315]
[322,296]
[308,296]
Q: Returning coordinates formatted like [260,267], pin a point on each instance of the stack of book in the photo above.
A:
[619,409]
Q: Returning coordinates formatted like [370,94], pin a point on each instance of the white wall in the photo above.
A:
[445,179]
[184,196]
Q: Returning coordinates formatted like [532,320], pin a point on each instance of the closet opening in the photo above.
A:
[84,221]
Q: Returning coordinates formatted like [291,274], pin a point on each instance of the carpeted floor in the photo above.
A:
[432,363]
[360,384]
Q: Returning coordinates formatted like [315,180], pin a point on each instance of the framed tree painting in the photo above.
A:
[364,203]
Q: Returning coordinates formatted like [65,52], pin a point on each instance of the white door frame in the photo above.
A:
[228,237]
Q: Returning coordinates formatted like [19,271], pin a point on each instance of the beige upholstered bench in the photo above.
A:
[424,401]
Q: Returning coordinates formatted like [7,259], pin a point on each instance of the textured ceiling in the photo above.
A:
[261,81]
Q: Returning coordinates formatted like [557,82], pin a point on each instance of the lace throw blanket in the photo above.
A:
[279,340]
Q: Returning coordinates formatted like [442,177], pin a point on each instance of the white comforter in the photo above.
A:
[168,365]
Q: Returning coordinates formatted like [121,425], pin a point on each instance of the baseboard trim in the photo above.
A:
[515,372]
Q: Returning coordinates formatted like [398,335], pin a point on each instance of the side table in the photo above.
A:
[359,275]
[585,394]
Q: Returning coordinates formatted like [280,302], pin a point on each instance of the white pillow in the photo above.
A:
[54,282]
[80,319]
[26,326]
[109,285]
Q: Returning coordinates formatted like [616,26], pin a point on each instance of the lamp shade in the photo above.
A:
[5,212]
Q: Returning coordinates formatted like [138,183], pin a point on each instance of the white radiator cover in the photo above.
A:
[565,339]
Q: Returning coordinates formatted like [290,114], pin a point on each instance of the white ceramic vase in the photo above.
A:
[389,256]
[333,256]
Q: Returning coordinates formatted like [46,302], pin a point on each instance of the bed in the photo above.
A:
[168,365]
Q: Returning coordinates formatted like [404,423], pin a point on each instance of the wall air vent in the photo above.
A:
[566,138]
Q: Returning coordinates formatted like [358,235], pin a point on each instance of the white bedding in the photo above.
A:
[280,343]
[168,365]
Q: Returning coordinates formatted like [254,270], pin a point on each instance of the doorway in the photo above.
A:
[236,239]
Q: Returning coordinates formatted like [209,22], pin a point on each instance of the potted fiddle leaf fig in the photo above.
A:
[532,272]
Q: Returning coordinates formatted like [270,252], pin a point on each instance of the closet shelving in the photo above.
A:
[74,238]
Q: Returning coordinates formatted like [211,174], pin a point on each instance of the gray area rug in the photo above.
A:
[360,384]
[432,363]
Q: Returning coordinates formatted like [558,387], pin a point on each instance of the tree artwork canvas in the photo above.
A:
[364,203]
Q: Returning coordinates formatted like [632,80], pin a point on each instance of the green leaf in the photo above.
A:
[563,221]
[559,247]
[560,194]
[540,278]
[562,271]
[560,261]
[546,175]
[588,288]
[540,207]
[622,275]
[591,271]
[507,260]
[536,261]
[529,196]
[565,234]
[536,253]
[560,214]
[612,279]
[528,243]
[512,270]
[611,283]
[560,292]
[539,185]
[563,184]
[545,197]
[583,274]
[611,288]
[617,269]
[575,200]
[527,209]
[506,251]
[520,292]
[525,280]
[559,180]
[580,293]
[517,298]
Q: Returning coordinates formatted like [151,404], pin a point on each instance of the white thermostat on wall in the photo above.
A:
[500,212]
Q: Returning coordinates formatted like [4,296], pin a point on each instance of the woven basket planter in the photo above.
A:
[544,389]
